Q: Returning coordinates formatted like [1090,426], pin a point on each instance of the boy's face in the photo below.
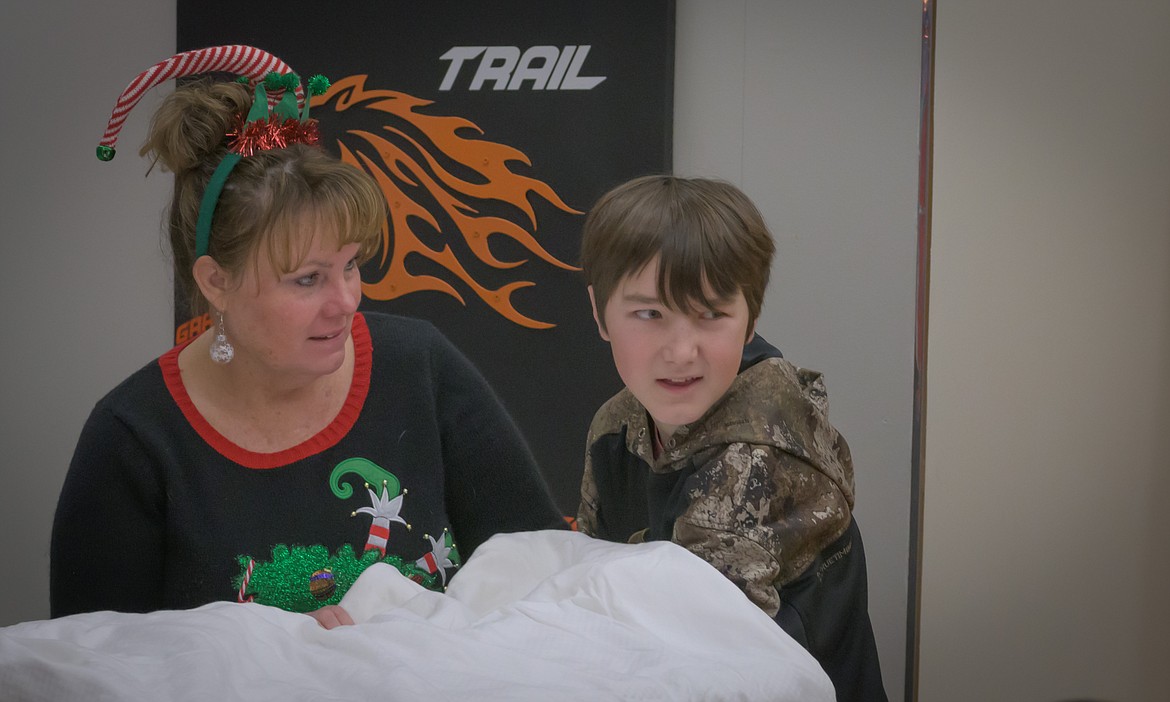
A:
[678,363]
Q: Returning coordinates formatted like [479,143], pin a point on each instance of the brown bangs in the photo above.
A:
[695,267]
[325,197]
[708,237]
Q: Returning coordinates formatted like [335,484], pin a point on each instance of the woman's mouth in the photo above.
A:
[328,337]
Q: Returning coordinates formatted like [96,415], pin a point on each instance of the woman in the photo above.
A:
[277,455]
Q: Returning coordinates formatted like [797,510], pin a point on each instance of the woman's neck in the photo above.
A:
[256,408]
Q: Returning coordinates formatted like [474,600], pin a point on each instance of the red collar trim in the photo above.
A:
[326,438]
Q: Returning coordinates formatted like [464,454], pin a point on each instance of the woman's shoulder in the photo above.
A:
[392,328]
[406,340]
[143,393]
[387,320]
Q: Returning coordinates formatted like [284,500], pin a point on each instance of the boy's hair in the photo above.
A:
[706,233]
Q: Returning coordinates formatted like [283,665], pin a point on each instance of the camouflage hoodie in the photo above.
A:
[757,486]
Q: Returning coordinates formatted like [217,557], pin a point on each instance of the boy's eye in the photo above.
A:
[712,314]
[647,314]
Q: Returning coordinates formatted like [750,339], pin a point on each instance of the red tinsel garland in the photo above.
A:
[271,133]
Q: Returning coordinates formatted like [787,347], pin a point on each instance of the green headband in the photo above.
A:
[260,131]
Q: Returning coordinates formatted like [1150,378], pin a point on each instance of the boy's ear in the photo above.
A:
[751,333]
[596,316]
[212,281]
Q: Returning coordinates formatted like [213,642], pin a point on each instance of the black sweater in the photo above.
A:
[160,511]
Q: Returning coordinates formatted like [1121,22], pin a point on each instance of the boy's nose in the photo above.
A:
[682,346]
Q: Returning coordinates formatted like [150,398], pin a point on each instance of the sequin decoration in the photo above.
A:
[322,585]
[287,579]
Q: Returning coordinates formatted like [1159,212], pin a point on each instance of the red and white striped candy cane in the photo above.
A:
[428,563]
[236,58]
[379,535]
[247,579]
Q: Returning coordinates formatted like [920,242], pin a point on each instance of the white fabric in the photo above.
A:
[533,616]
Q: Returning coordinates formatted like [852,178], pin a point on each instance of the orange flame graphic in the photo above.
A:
[414,152]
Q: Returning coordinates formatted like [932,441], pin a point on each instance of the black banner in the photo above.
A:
[491,127]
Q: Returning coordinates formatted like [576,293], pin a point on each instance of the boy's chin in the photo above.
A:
[668,425]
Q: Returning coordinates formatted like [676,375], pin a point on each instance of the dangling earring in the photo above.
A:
[221,350]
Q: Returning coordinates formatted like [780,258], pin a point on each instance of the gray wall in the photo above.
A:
[85,290]
[812,108]
[1047,444]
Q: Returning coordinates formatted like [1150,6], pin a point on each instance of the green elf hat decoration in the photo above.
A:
[279,116]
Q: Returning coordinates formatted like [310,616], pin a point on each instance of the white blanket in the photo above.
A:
[549,616]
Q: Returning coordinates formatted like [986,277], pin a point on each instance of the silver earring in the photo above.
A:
[221,350]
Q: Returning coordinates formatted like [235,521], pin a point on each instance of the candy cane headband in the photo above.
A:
[259,131]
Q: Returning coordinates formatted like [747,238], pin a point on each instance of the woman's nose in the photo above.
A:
[346,296]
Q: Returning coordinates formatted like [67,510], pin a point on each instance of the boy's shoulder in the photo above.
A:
[783,408]
[618,412]
[777,384]
[772,403]
[773,390]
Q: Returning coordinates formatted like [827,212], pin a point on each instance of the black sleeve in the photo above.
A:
[493,484]
[107,544]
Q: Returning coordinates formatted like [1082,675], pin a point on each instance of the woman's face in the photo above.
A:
[295,325]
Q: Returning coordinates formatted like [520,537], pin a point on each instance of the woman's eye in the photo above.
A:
[352,264]
[307,280]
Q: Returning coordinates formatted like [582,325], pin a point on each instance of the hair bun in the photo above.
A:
[188,129]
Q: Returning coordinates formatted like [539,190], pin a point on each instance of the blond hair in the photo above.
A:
[268,196]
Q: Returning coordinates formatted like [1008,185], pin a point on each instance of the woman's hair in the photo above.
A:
[268,197]
[707,235]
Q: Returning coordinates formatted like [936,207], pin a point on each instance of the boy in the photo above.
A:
[718,444]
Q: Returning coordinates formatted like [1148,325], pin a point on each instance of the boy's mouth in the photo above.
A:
[680,382]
